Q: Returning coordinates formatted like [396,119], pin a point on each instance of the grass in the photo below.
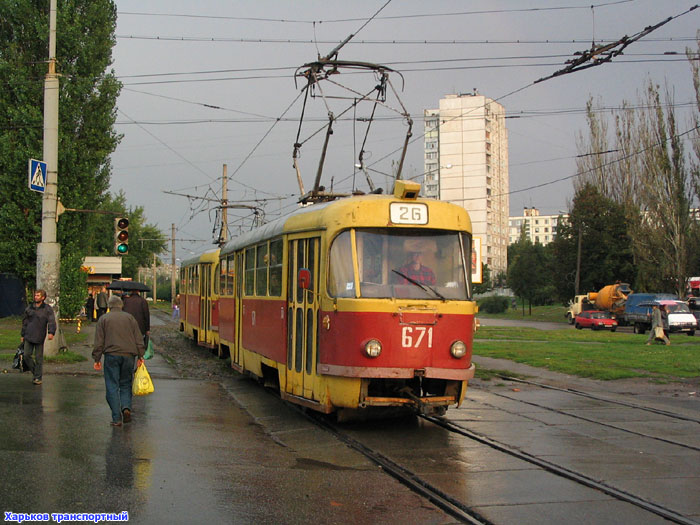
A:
[61,358]
[10,330]
[548,314]
[597,355]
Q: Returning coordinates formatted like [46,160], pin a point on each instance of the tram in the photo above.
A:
[199,306]
[351,306]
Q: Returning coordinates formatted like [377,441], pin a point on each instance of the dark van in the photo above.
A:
[638,309]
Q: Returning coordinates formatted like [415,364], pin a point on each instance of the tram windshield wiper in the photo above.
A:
[425,287]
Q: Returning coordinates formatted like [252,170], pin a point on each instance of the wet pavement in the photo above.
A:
[230,452]
[191,455]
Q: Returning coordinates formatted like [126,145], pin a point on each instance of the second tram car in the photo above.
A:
[199,306]
[353,305]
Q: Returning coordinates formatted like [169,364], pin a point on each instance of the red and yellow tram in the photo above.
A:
[352,305]
[199,312]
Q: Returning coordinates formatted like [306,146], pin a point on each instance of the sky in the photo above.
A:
[208,84]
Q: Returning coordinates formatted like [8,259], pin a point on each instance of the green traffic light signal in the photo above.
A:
[121,236]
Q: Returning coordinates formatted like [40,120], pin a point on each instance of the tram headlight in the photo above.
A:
[458,349]
[373,348]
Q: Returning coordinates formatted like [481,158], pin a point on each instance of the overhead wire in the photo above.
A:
[389,17]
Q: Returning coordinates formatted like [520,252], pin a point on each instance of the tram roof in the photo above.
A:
[364,210]
[211,255]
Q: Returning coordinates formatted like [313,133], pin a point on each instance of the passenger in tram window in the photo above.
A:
[417,271]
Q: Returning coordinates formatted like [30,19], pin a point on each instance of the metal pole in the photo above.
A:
[578,262]
[155,280]
[223,236]
[48,252]
[173,272]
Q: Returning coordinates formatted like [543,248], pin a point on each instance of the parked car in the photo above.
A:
[596,320]
[694,305]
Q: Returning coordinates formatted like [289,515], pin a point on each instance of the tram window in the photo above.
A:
[230,273]
[301,258]
[471,256]
[195,280]
[226,273]
[311,266]
[250,271]
[261,261]
[341,280]
[399,263]
[276,268]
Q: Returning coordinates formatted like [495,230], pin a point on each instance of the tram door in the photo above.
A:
[302,316]
[205,303]
[236,354]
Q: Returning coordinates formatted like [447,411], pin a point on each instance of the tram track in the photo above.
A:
[439,498]
[558,470]
[601,398]
[590,420]
[459,510]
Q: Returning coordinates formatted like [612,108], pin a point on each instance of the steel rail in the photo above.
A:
[564,472]
[599,398]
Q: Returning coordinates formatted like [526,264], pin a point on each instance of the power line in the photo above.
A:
[382,42]
[392,17]
[595,168]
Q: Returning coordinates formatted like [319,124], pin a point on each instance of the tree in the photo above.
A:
[646,171]
[606,255]
[529,270]
[87,113]
[485,284]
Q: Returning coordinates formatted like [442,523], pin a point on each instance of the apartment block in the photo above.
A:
[466,163]
[538,228]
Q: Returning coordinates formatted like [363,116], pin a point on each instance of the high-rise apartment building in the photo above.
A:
[466,163]
[538,228]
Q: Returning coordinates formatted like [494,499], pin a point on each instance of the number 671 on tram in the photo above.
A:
[354,306]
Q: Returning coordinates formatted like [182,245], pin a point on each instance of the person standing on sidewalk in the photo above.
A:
[102,299]
[119,339]
[38,320]
[657,320]
[137,306]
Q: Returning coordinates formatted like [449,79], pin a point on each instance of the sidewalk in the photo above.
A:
[191,455]
[157,366]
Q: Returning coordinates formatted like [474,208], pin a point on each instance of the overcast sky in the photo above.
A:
[206,82]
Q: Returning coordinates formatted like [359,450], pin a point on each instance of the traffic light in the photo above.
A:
[121,236]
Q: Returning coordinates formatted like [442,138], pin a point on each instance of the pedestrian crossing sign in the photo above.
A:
[37,175]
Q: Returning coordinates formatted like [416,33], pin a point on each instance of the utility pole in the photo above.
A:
[48,251]
[223,236]
[173,273]
[155,280]
[578,261]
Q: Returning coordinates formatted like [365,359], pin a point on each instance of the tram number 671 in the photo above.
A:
[413,336]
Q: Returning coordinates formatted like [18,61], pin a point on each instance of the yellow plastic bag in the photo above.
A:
[658,333]
[142,385]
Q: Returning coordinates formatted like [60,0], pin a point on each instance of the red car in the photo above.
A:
[596,320]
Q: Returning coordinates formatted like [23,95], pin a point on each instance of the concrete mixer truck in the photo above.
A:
[610,298]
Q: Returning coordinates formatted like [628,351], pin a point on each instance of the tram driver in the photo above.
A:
[417,271]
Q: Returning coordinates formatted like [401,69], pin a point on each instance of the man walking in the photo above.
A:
[137,306]
[657,321]
[38,319]
[117,336]
[102,302]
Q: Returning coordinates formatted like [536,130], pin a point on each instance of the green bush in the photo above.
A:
[494,304]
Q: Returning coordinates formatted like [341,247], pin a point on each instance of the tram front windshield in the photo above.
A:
[401,264]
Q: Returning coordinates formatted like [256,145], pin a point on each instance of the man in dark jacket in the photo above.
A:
[118,338]
[101,302]
[137,306]
[38,319]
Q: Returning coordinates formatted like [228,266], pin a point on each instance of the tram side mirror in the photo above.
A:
[304,278]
